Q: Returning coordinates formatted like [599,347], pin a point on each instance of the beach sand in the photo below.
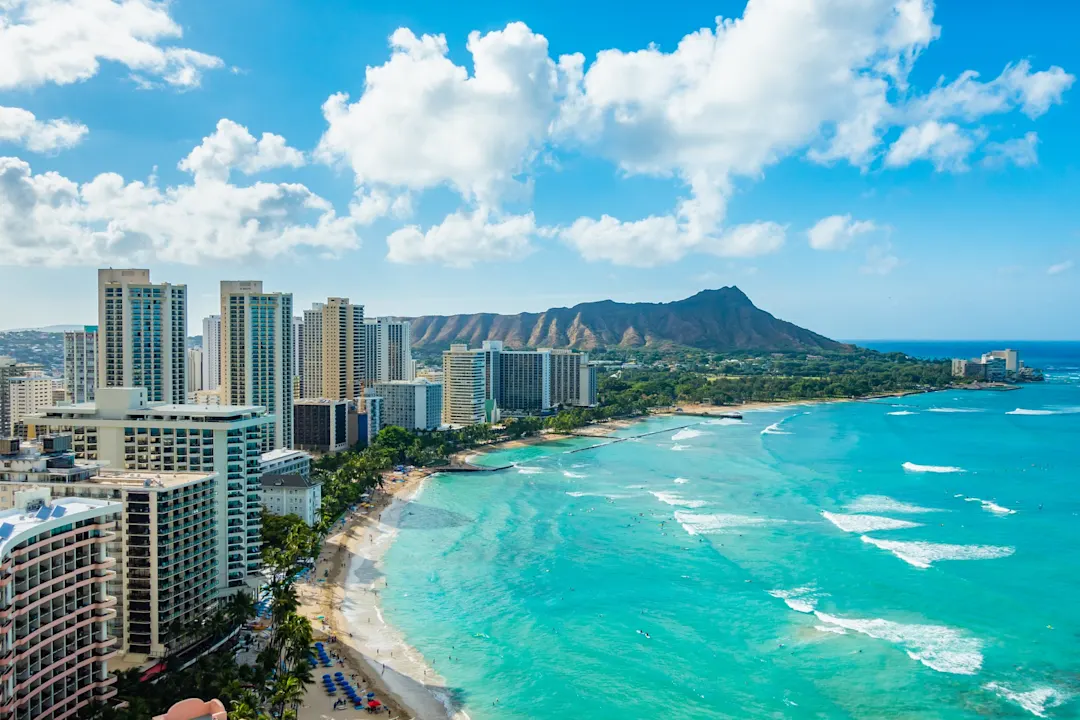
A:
[348,602]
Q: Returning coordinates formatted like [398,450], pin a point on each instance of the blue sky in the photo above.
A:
[943,204]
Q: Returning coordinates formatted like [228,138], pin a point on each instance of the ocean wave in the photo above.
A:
[681,481]
[723,421]
[801,599]
[635,487]
[831,629]
[902,412]
[1045,411]
[572,474]
[698,524]
[937,647]
[992,507]
[912,467]
[675,499]
[1036,701]
[925,554]
[953,410]
[774,429]
[526,470]
[687,434]
[883,503]
[677,447]
[610,496]
[867,523]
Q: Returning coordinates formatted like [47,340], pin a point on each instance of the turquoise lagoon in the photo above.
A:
[902,558]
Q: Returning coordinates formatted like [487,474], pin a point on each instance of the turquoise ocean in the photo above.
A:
[915,557]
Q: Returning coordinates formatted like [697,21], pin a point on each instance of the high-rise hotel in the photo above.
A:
[257,354]
[387,350]
[333,350]
[142,334]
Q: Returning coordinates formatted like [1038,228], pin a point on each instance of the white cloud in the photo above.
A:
[423,122]
[232,146]
[64,41]
[23,128]
[463,239]
[969,99]
[47,219]
[946,145]
[880,260]
[837,231]
[1059,268]
[1022,151]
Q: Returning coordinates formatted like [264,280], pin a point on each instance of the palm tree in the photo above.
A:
[287,693]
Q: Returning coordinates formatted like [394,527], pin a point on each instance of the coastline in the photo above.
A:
[348,606]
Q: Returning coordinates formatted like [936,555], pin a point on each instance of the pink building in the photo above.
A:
[54,605]
[195,709]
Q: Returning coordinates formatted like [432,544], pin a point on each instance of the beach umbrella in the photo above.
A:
[373,703]
[371,695]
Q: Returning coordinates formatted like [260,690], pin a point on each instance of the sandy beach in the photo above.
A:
[347,605]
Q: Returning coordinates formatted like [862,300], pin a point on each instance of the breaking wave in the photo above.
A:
[723,421]
[937,647]
[912,467]
[867,523]
[902,412]
[677,447]
[697,524]
[801,599]
[675,499]
[1036,701]
[774,429]
[882,503]
[925,554]
[992,507]
[527,470]
[687,434]
[953,410]
[572,474]
[681,481]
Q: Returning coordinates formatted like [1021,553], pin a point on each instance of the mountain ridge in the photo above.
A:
[718,320]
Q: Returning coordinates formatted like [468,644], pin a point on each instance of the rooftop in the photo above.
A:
[280,454]
[317,401]
[15,523]
[151,480]
[289,481]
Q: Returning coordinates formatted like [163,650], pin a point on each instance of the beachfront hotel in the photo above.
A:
[165,547]
[464,399]
[411,404]
[142,334]
[124,430]
[55,606]
[257,355]
[292,494]
[388,350]
[211,346]
[333,350]
[80,363]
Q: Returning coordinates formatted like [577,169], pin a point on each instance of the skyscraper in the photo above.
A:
[257,354]
[8,370]
[80,364]
[334,350]
[387,350]
[211,343]
[298,355]
[142,334]
[196,379]
[463,386]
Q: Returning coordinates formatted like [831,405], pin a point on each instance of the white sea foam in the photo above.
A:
[687,434]
[912,467]
[882,503]
[677,447]
[801,599]
[698,524]
[676,499]
[572,474]
[635,487]
[1025,411]
[993,507]
[902,412]
[867,523]
[1036,701]
[935,646]
[774,429]
[681,481]
[610,496]
[526,470]
[723,421]
[830,629]
[953,410]
[925,554]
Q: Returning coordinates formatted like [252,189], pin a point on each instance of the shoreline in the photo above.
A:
[348,606]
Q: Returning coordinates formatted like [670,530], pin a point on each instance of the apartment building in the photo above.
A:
[333,350]
[124,430]
[142,334]
[80,363]
[257,355]
[464,390]
[211,345]
[26,395]
[388,350]
[323,425]
[55,607]
[411,404]
[195,364]
[10,369]
[298,355]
